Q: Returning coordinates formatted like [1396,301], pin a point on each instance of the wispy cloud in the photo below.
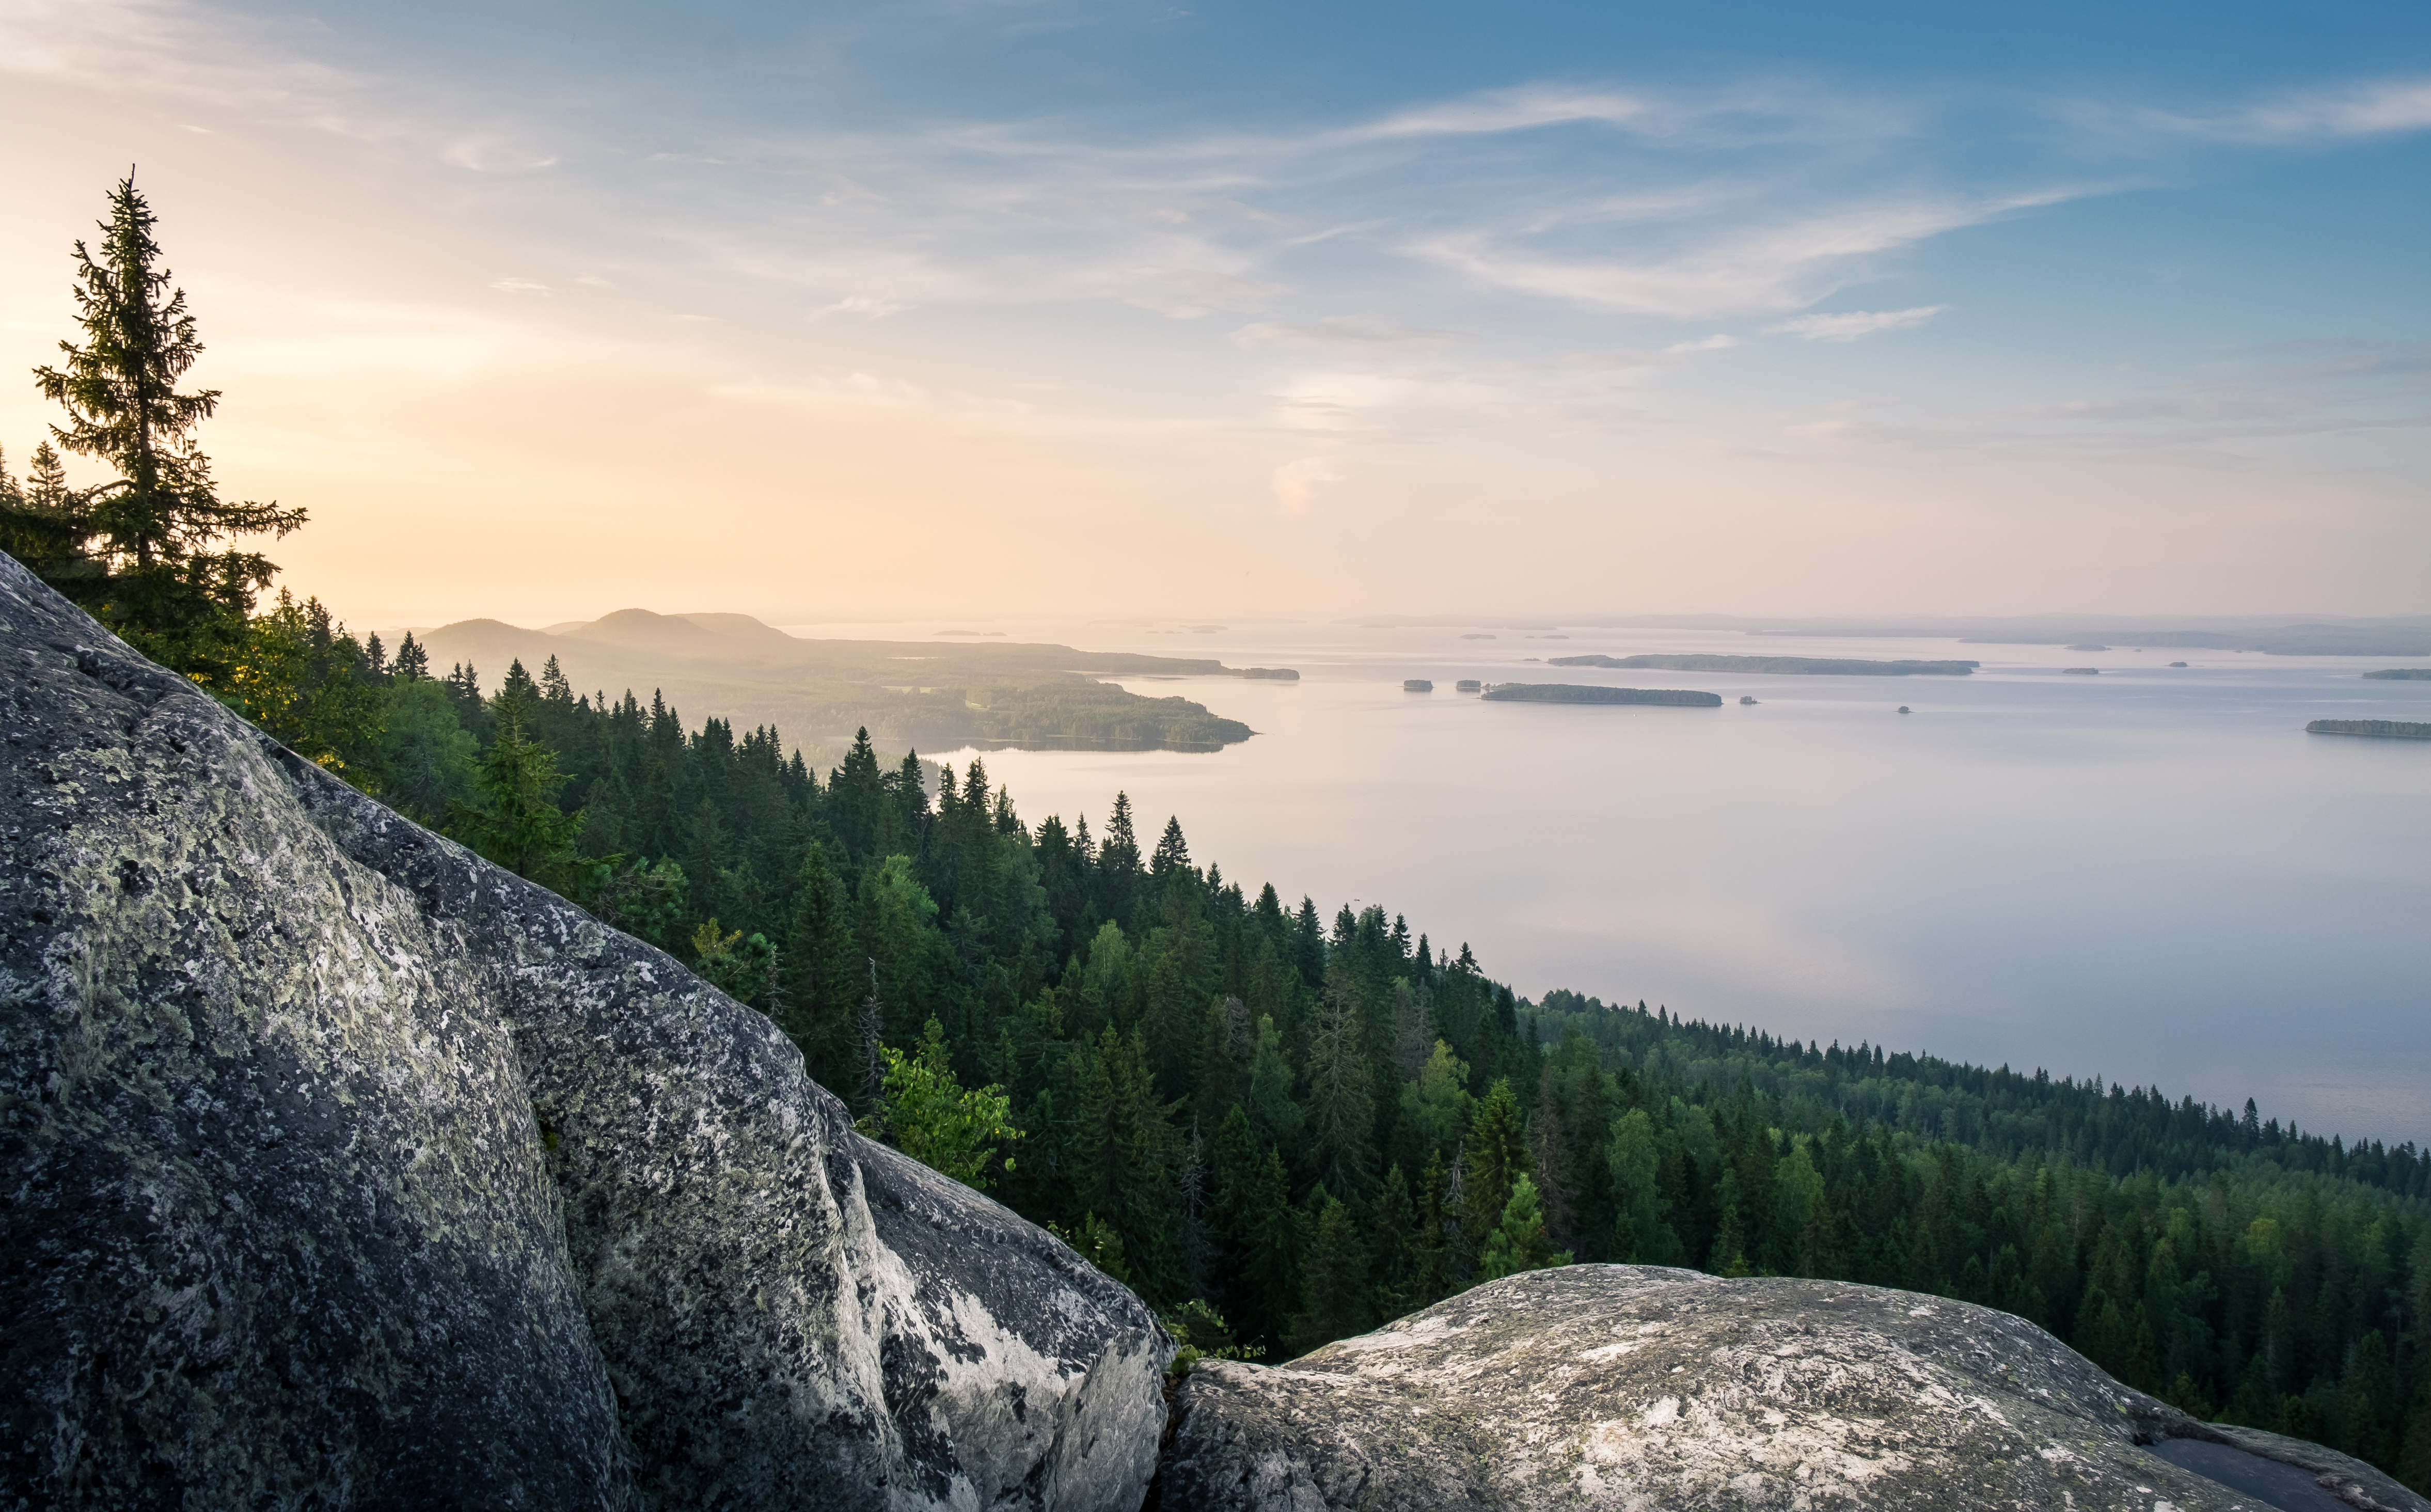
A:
[1298,483]
[2370,108]
[1516,109]
[1785,263]
[1337,334]
[1849,325]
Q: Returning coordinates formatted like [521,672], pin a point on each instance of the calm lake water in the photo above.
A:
[2153,875]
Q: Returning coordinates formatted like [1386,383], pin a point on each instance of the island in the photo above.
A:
[2380,728]
[1790,666]
[2402,674]
[2087,646]
[2081,671]
[1584,693]
[1417,685]
[1272,674]
[1469,685]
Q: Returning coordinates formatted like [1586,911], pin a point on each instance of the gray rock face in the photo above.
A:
[342,1169]
[1637,1388]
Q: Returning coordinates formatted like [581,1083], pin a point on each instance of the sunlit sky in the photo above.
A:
[858,312]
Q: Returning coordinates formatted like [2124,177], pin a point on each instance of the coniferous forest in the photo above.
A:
[1280,1126]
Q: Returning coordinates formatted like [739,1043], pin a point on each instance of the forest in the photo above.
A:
[1280,1127]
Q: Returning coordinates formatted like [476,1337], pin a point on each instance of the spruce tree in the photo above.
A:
[41,526]
[155,529]
[1333,1288]
[1498,1157]
[1341,1109]
[516,822]
[823,970]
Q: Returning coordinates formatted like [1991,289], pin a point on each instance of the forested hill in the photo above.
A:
[1304,1124]
[2122,1130]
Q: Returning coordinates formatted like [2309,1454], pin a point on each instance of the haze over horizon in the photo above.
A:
[1084,307]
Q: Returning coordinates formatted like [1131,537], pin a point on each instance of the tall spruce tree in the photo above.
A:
[155,531]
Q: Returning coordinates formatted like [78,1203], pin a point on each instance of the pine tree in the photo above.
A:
[1518,1242]
[155,528]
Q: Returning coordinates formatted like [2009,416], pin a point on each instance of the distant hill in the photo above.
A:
[930,695]
[1792,666]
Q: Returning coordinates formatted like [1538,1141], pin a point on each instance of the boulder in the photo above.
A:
[1655,1390]
[342,1169]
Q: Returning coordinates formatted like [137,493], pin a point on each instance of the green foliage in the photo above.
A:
[929,1116]
[646,900]
[1200,1333]
[140,552]
[1098,1243]
[304,684]
[1518,1242]
[745,970]
[514,820]
[425,760]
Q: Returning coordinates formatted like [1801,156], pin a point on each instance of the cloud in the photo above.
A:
[869,307]
[1784,265]
[1338,334]
[1852,323]
[1715,343]
[1516,109]
[1297,483]
[518,286]
[2379,107]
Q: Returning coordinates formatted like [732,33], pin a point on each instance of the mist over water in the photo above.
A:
[2151,875]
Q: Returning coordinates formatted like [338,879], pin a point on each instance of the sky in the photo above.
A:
[881,310]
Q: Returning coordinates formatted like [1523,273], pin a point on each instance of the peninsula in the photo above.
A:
[1587,693]
[1791,665]
[930,694]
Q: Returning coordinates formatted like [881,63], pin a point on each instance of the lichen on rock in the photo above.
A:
[1644,1388]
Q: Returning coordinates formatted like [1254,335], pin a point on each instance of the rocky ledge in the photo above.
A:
[1655,1390]
[341,1168]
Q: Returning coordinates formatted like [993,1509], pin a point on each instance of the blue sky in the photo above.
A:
[1303,309]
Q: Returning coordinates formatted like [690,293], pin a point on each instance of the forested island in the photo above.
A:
[2407,674]
[1591,693]
[1789,665]
[2384,729]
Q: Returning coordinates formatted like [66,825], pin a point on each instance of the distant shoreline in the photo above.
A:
[1777,666]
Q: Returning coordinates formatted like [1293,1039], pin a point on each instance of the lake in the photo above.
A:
[2152,875]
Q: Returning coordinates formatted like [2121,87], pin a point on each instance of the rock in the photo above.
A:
[1643,1389]
[344,1168]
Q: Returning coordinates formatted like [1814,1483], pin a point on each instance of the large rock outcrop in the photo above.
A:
[1657,1390]
[343,1169]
